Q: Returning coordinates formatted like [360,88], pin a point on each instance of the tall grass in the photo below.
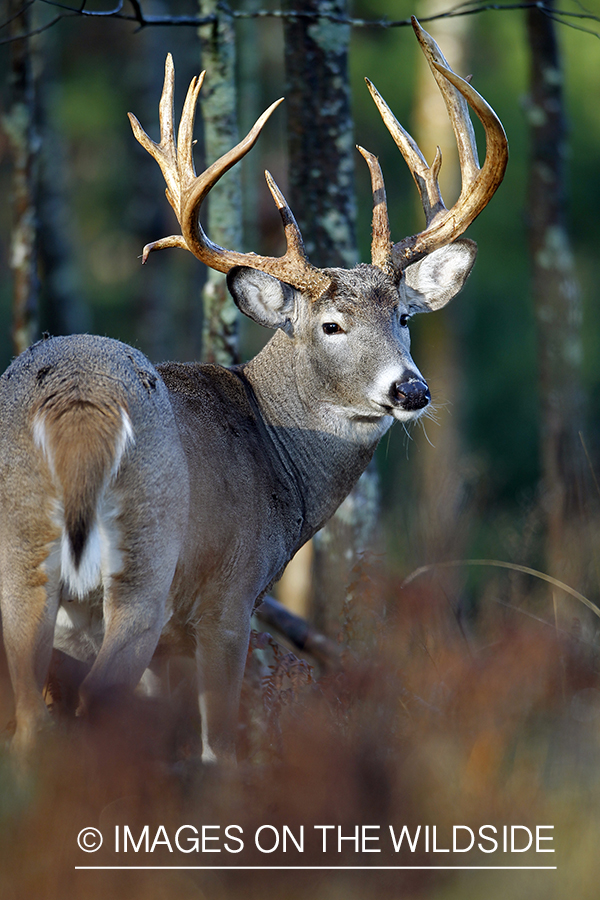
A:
[434,719]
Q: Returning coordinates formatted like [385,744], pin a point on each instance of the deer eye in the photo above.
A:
[332,328]
[404,320]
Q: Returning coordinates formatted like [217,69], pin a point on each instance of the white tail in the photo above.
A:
[147,510]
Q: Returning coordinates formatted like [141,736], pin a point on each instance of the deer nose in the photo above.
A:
[413,394]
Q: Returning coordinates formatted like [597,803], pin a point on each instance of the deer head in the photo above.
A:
[322,306]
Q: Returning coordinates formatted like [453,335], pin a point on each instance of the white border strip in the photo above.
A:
[320,868]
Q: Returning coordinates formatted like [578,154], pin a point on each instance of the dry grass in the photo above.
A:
[434,720]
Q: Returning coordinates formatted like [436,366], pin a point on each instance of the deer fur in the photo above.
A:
[146,510]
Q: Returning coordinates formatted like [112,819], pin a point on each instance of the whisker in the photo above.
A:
[432,413]
[408,436]
[422,424]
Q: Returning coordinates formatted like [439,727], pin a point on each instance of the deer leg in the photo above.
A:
[29,601]
[141,540]
[134,618]
[29,586]
[221,659]
[153,682]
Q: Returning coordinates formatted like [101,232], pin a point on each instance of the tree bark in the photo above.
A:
[556,301]
[322,196]
[321,145]
[219,115]
[19,124]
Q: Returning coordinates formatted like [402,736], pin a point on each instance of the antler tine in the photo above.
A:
[381,242]
[165,152]
[457,106]
[478,184]
[186,192]
[214,256]
[185,135]
[294,266]
[426,178]
[476,192]
[293,236]
[166,107]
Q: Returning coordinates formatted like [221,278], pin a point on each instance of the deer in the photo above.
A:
[146,510]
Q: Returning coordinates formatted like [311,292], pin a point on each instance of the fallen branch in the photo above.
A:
[299,632]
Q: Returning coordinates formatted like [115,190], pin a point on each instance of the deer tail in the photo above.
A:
[83,442]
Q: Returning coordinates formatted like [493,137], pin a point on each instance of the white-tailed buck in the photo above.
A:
[145,510]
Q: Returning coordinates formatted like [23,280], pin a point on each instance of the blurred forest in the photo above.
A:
[465,485]
[101,199]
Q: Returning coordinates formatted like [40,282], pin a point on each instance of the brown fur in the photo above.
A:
[82,437]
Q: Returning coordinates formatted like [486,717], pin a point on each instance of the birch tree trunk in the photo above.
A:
[19,124]
[557,305]
[219,114]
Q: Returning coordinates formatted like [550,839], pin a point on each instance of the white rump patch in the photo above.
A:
[125,439]
[40,439]
[81,579]
[101,558]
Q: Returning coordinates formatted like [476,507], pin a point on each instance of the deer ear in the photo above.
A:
[438,277]
[262,297]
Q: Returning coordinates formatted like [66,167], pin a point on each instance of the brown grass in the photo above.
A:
[436,719]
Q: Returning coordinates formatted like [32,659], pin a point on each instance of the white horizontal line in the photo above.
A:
[322,868]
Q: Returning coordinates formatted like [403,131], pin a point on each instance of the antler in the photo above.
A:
[186,191]
[478,184]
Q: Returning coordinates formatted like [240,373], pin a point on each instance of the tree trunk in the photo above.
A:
[19,124]
[321,145]
[557,304]
[219,115]
[322,196]
[441,463]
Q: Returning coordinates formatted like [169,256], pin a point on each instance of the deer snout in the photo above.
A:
[411,394]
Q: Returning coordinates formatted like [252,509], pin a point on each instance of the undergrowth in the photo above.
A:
[433,718]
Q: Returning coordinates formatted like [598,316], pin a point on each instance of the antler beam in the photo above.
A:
[186,191]
[478,184]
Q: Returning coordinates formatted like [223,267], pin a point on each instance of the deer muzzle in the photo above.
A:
[411,394]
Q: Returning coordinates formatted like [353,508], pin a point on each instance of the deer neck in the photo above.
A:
[323,449]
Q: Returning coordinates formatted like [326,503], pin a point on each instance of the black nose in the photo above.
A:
[412,394]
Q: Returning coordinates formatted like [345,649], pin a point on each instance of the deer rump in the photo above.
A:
[124,535]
